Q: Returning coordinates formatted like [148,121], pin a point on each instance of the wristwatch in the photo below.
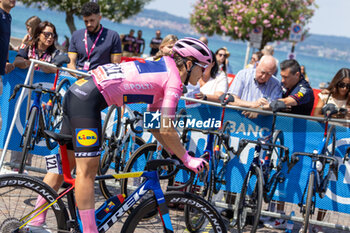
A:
[205,97]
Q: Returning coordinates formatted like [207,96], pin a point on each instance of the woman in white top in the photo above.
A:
[214,80]
[337,93]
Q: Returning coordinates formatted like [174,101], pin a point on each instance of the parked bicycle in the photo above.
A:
[264,174]
[18,192]
[41,116]
[119,142]
[318,180]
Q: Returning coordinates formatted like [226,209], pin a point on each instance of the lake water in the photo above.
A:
[318,69]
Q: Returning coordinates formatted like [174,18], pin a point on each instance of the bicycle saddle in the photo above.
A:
[277,105]
[329,109]
[60,60]
[60,138]
[226,98]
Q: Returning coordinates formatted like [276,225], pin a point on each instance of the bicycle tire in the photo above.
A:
[28,140]
[107,134]
[18,195]
[137,162]
[253,201]
[204,190]
[106,189]
[135,223]
[278,139]
[54,120]
[310,194]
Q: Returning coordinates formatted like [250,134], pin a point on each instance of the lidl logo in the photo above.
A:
[86,137]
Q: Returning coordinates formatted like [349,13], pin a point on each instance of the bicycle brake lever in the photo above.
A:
[293,161]
[14,93]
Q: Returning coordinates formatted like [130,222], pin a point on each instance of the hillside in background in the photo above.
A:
[315,45]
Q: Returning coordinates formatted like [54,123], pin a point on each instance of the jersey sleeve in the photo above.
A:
[72,45]
[301,94]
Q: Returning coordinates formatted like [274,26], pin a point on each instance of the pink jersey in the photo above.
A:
[157,83]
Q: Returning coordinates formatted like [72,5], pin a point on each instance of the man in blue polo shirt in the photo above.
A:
[256,87]
[95,45]
[5,33]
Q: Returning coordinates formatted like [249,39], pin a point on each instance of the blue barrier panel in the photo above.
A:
[299,135]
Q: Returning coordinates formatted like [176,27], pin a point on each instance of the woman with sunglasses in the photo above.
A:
[214,82]
[41,47]
[337,93]
[158,83]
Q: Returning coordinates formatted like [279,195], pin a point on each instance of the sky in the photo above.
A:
[331,18]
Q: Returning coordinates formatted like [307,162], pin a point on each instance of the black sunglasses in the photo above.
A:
[48,34]
[342,85]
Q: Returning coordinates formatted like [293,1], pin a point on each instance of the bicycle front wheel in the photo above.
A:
[309,204]
[250,200]
[136,223]
[18,196]
[28,140]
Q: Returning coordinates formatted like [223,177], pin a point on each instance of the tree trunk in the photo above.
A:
[70,22]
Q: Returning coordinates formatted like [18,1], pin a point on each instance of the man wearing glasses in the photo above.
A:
[256,87]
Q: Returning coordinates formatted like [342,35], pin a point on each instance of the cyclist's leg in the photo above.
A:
[83,107]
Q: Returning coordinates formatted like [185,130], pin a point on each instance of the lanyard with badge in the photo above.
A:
[87,63]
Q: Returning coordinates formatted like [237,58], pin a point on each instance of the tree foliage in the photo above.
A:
[115,10]
[237,18]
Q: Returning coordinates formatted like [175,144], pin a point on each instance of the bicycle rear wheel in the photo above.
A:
[136,223]
[110,132]
[250,200]
[55,114]
[18,195]
[309,204]
[28,139]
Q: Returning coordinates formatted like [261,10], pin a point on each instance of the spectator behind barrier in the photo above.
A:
[139,45]
[155,43]
[41,47]
[256,88]
[31,23]
[337,93]
[94,45]
[213,82]
[128,44]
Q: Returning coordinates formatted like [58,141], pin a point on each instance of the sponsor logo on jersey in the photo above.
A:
[86,137]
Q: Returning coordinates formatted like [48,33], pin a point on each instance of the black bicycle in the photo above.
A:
[263,174]
[317,179]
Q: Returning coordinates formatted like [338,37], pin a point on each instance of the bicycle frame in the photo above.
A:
[151,183]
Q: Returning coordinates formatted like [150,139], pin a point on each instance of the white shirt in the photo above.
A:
[217,84]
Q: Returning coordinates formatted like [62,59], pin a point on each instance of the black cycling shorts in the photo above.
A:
[82,106]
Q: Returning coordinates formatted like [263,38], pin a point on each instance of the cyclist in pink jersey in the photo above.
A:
[158,83]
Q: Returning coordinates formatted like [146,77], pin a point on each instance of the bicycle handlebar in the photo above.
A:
[155,164]
[333,162]
[37,88]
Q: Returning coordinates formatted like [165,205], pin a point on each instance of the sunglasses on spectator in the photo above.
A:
[342,85]
[48,34]
[200,65]
[221,54]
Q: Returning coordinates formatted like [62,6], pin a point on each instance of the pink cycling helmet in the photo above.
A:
[191,47]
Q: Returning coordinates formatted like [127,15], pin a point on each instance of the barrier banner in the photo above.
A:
[300,135]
